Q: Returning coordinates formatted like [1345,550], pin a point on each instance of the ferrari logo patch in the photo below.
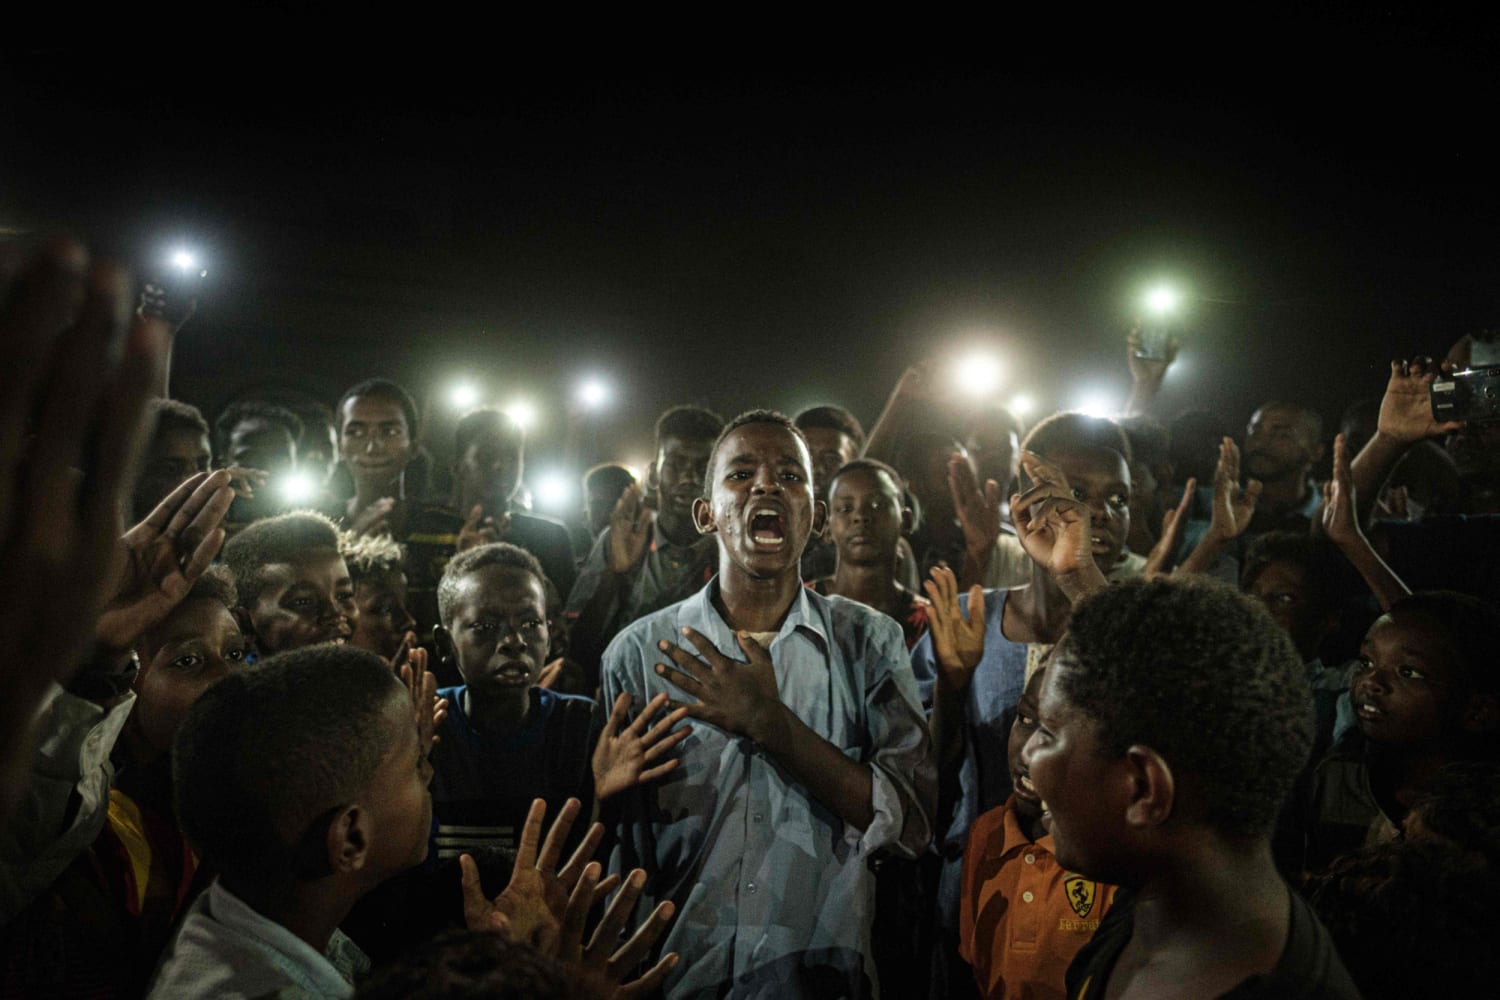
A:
[1080,892]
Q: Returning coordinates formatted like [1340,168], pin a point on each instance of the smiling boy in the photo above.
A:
[807,756]
[294,588]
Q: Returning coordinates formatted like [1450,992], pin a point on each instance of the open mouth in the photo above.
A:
[1369,711]
[767,528]
[514,673]
[1024,788]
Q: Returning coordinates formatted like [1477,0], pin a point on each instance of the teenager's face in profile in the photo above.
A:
[1403,684]
[304,603]
[762,505]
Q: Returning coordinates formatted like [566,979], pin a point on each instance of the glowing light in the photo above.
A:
[298,487]
[553,491]
[593,394]
[1097,404]
[523,413]
[978,374]
[1022,405]
[184,260]
[463,396]
[1163,300]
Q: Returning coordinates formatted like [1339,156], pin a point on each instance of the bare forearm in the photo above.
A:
[947,729]
[1143,393]
[885,436]
[1371,468]
[1204,554]
[843,785]
[1383,582]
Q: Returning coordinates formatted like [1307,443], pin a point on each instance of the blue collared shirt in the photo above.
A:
[774,891]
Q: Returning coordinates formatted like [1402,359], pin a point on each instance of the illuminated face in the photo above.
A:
[304,603]
[762,505]
[375,442]
[680,464]
[1028,801]
[195,648]
[831,450]
[498,625]
[1403,684]
[383,617]
[865,517]
[1101,481]
[1278,444]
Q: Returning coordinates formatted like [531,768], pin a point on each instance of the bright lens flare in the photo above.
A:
[1162,301]
[298,488]
[553,491]
[978,374]
[184,260]
[593,394]
[463,396]
[1022,405]
[1098,404]
[523,413]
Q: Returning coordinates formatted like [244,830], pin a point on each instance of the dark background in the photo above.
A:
[781,217]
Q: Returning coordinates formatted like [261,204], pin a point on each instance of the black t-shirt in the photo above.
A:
[1310,968]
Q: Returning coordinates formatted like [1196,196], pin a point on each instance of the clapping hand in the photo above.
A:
[629,755]
[1233,506]
[1055,528]
[957,641]
[629,530]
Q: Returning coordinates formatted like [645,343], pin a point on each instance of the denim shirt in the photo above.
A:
[774,891]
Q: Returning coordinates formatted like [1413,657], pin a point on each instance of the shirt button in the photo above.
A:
[1027,896]
[750,887]
[1031,859]
[759,816]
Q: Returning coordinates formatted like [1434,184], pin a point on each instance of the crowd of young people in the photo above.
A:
[955,708]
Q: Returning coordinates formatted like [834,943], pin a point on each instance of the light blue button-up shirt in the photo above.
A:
[774,891]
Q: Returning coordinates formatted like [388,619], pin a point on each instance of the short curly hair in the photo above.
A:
[693,423]
[260,757]
[371,556]
[281,539]
[773,417]
[833,418]
[380,388]
[1071,431]
[466,562]
[1203,675]
[242,410]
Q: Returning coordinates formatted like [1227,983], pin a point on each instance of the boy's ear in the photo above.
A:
[1481,715]
[1153,789]
[346,840]
[703,517]
[443,640]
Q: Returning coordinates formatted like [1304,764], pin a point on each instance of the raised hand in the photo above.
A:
[628,756]
[1150,371]
[740,698]
[604,961]
[533,905]
[1233,507]
[481,529]
[421,685]
[71,433]
[978,510]
[1406,407]
[164,555]
[1173,524]
[957,641]
[1055,529]
[629,530]
[374,519]
[1338,519]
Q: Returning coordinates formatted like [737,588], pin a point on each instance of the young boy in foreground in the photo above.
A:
[294,587]
[1173,721]
[807,756]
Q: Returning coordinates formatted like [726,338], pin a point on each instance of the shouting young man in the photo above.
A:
[808,752]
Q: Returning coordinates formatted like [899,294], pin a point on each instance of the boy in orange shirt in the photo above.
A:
[1022,916]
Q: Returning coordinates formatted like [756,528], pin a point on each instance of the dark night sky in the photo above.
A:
[743,231]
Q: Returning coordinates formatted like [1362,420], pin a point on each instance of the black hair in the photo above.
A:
[485,421]
[216,584]
[284,538]
[870,465]
[1471,627]
[470,965]
[773,417]
[1071,431]
[1204,676]
[833,418]
[1316,557]
[692,423]
[1411,919]
[610,473]
[1312,418]
[1150,442]
[466,562]
[267,752]
[1461,803]
[994,416]
[169,415]
[252,409]
[380,388]
[371,556]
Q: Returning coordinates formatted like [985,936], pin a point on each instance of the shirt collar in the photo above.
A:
[1012,838]
[808,614]
[294,955]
